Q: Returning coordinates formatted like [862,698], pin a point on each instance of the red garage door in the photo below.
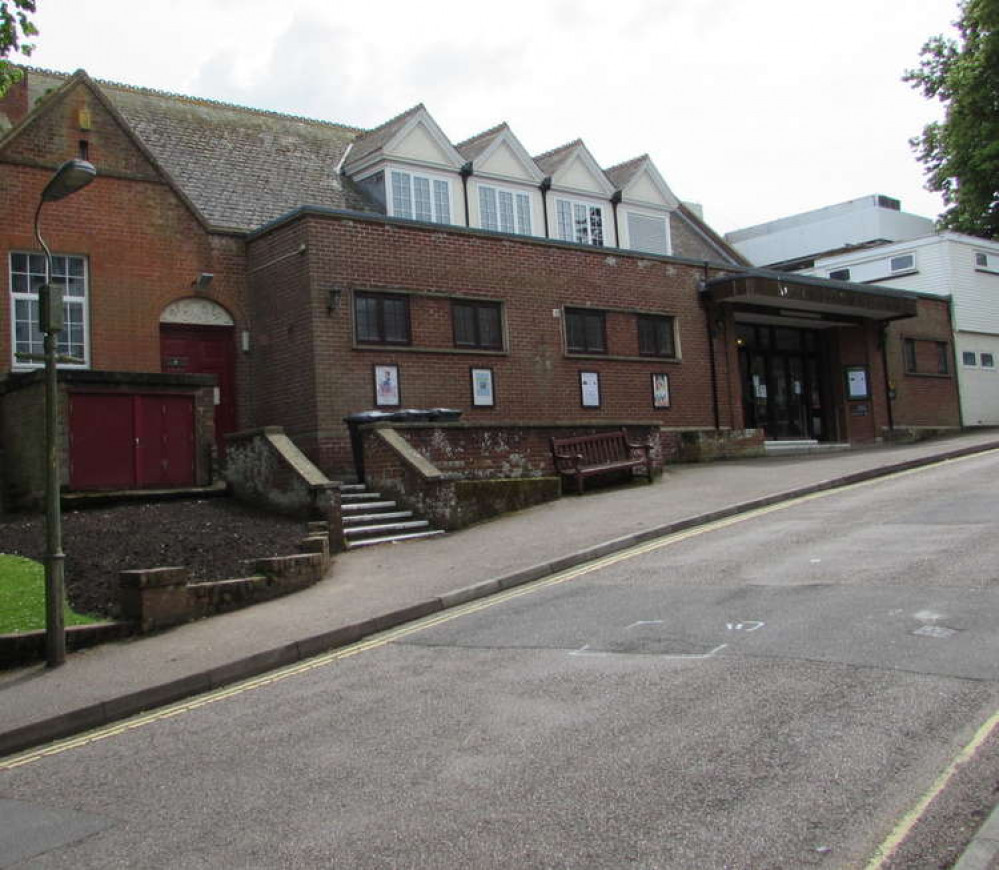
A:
[127,441]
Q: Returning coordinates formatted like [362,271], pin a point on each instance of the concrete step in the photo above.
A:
[359,496]
[790,448]
[393,539]
[360,519]
[359,507]
[381,528]
[352,487]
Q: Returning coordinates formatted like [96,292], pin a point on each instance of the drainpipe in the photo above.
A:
[615,202]
[465,172]
[709,314]
[888,389]
[544,187]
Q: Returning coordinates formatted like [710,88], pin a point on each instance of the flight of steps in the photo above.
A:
[795,448]
[369,519]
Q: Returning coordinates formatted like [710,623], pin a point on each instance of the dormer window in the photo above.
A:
[421,197]
[506,211]
[580,222]
[648,233]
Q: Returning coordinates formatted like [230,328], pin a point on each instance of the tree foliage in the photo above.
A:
[15,28]
[960,154]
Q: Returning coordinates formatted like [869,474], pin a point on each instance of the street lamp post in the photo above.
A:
[68,178]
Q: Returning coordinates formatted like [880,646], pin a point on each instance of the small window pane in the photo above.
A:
[988,361]
[565,231]
[464,325]
[489,326]
[396,320]
[367,319]
[902,263]
[442,202]
[840,275]
[581,221]
[422,209]
[402,203]
[487,208]
[505,211]
[523,214]
[981,260]
[596,226]
[968,357]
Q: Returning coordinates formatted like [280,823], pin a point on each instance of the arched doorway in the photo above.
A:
[198,336]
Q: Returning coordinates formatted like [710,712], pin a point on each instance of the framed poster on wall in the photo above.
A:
[857,383]
[589,389]
[660,390]
[387,386]
[483,395]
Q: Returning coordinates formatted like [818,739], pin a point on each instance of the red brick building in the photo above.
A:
[316,270]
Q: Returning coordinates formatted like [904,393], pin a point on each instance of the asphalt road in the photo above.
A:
[780,691]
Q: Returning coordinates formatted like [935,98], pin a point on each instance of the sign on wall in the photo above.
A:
[386,385]
[589,388]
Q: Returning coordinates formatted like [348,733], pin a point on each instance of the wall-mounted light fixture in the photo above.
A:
[203,281]
[333,296]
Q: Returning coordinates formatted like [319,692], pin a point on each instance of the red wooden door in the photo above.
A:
[164,441]
[102,441]
[205,350]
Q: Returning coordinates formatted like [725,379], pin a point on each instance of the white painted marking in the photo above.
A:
[935,631]
[644,622]
[750,625]
[927,616]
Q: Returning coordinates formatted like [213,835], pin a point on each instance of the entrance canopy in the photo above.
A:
[786,297]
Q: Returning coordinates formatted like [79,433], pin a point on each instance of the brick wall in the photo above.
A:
[535,379]
[924,398]
[147,252]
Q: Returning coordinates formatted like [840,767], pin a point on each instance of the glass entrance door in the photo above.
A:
[780,389]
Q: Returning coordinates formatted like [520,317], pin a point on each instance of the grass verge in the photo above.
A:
[22,597]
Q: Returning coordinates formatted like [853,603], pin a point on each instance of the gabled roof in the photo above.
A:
[698,225]
[481,142]
[482,146]
[381,135]
[625,174]
[552,162]
[238,167]
[390,135]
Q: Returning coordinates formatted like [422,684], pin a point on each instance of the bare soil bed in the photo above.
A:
[213,537]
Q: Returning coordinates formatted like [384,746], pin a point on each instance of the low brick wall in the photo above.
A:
[456,474]
[709,445]
[471,451]
[157,598]
[263,467]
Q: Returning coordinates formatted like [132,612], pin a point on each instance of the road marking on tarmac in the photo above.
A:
[383,639]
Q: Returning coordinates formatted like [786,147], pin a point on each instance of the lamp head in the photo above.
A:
[69,178]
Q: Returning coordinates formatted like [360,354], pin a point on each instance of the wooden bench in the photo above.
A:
[588,455]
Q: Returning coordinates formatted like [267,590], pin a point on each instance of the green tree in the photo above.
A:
[960,154]
[15,28]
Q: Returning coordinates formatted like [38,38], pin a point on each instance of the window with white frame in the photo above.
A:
[647,233]
[421,197]
[27,275]
[986,262]
[580,222]
[507,211]
[902,263]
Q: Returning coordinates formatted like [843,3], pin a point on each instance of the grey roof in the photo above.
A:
[379,136]
[622,174]
[475,145]
[239,167]
[551,160]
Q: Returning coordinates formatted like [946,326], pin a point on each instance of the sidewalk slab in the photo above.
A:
[373,589]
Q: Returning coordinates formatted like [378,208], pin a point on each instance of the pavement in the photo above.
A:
[373,589]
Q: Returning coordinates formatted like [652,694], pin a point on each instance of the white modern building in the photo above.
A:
[945,264]
[791,242]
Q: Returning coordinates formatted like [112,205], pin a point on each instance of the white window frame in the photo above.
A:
[23,290]
[648,214]
[991,263]
[901,270]
[965,354]
[435,197]
[573,234]
[492,195]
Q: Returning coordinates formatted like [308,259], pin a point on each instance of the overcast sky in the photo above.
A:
[754,108]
